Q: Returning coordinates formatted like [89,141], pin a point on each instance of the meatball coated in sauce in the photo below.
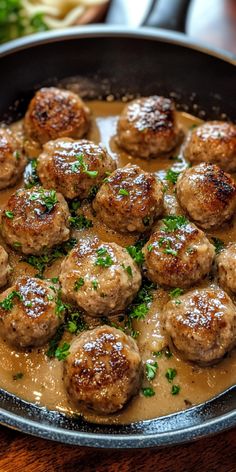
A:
[103,370]
[213,142]
[207,194]
[73,167]
[129,200]
[147,127]
[5,268]
[12,159]
[101,278]
[54,113]
[226,263]
[179,258]
[35,220]
[28,313]
[202,324]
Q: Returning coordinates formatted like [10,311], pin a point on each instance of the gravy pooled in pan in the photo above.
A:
[117,257]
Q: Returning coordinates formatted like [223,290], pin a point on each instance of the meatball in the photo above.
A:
[55,113]
[5,269]
[103,370]
[213,142]
[179,257]
[100,277]
[73,168]
[129,200]
[202,324]
[35,220]
[147,127]
[226,262]
[28,315]
[207,194]
[12,159]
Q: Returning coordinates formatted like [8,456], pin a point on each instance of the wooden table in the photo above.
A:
[215,23]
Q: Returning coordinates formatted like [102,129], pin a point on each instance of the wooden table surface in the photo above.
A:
[215,22]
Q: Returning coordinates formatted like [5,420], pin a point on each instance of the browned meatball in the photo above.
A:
[177,257]
[12,159]
[202,324]
[147,127]
[213,142]
[207,194]
[28,313]
[4,267]
[103,370]
[73,168]
[129,200]
[35,220]
[226,262]
[101,278]
[55,113]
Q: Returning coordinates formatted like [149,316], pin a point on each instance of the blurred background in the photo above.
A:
[211,21]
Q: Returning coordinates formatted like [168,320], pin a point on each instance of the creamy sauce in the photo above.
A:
[42,377]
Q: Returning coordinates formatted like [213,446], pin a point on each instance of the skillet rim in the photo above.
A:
[119,441]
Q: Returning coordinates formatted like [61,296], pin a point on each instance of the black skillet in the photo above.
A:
[120,62]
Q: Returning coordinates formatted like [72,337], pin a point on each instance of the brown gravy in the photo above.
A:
[42,377]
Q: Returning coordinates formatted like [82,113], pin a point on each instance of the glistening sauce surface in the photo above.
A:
[42,377]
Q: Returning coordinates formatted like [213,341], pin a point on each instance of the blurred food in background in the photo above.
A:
[22,17]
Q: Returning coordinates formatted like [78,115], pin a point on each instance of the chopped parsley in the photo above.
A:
[81,164]
[93,192]
[176,292]
[47,198]
[9,214]
[45,260]
[123,192]
[78,284]
[141,304]
[18,376]
[16,244]
[172,176]
[166,351]
[136,254]
[74,205]
[80,222]
[175,389]
[169,250]
[150,247]
[148,392]
[171,374]
[31,178]
[75,323]
[151,370]
[147,220]
[172,223]
[62,352]
[7,303]
[54,343]
[95,284]
[219,244]
[104,259]
[128,270]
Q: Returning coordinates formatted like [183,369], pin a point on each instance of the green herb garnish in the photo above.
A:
[128,270]
[62,352]
[7,303]
[81,164]
[172,176]
[175,389]
[151,370]
[18,376]
[47,198]
[9,214]
[171,374]
[172,223]
[148,392]
[78,284]
[95,284]
[136,254]
[80,222]
[31,178]
[104,259]
[219,244]
[123,192]
[176,292]
[150,247]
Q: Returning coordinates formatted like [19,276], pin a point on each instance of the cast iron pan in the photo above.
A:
[120,62]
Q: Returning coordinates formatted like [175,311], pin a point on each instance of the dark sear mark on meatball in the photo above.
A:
[147,127]
[129,200]
[103,370]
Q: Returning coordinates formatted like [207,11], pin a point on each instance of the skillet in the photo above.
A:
[120,61]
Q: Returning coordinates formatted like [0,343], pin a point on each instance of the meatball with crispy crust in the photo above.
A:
[35,220]
[213,142]
[12,159]
[4,267]
[28,315]
[178,254]
[130,200]
[147,127]
[73,168]
[54,113]
[103,370]
[101,278]
[226,263]
[207,194]
[202,325]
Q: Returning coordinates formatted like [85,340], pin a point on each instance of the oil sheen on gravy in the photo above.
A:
[42,377]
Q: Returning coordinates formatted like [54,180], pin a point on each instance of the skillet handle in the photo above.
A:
[168,14]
